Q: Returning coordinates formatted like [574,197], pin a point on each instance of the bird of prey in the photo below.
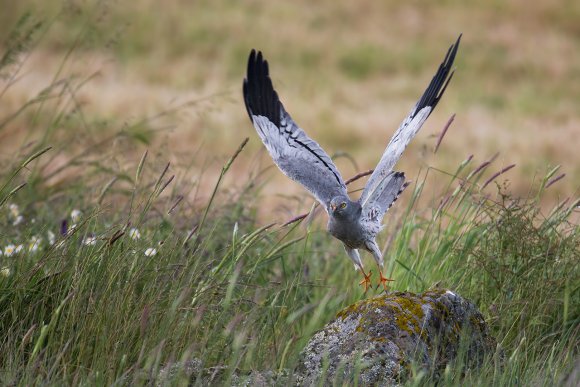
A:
[355,223]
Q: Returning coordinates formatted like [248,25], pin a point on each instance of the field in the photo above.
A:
[137,224]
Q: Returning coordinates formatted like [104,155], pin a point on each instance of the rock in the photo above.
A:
[572,379]
[379,339]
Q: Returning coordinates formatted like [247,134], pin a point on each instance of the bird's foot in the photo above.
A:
[383,281]
[366,281]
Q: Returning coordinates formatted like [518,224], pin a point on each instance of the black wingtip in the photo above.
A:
[259,95]
[439,83]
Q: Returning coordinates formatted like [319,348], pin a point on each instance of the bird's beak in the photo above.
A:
[333,207]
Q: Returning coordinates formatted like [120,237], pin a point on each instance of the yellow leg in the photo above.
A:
[383,280]
[366,281]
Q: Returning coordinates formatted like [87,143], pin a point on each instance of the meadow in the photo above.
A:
[140,228]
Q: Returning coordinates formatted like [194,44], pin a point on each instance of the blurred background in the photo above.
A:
[169,74]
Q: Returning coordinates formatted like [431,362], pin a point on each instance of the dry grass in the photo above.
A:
[348,72]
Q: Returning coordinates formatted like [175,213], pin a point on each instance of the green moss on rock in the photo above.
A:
[388,333]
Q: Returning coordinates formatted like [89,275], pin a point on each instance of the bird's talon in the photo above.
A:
[366,281]
[383,281]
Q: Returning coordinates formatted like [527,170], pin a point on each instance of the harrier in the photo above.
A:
[355,223]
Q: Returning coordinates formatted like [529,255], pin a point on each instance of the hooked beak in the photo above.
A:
[333,207]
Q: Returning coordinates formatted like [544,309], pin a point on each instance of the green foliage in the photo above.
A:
[237,294]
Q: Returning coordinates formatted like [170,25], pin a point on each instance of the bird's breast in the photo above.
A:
[350,233]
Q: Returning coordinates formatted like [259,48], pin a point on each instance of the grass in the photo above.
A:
[206,277]
[93,308]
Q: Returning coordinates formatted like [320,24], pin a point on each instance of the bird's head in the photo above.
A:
[343,207]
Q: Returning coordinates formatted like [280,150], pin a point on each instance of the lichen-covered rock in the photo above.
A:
[376,340]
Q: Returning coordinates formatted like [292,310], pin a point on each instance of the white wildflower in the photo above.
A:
[134,234]
[75,215]
[51,237]
[9,250]
[18,249]
[14,210]
[150,252]
[90,240]
[34,244]
[19,219]
[5,271]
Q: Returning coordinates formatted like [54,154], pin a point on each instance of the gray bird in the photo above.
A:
[355,223]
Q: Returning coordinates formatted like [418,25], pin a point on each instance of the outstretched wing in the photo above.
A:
[298,156]
[410,126]
[391,187]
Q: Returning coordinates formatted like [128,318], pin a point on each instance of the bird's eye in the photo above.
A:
[343,205]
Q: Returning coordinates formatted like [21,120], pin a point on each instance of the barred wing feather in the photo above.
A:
[296,154]
[410,126]
[391,188]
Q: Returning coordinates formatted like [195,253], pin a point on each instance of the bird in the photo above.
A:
[355,223]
